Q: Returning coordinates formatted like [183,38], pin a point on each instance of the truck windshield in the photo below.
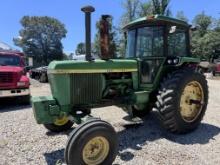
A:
[145,42]
[9,60]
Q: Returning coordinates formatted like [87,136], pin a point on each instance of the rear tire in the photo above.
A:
[93,142]
[179,105]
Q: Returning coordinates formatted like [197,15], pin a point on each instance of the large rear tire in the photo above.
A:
[182,101]
[93,142]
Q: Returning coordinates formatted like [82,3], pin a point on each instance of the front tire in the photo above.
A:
[60,125]
[93,142]
[182,101]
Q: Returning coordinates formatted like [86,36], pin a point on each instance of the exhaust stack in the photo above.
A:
[104,37]
[88,10]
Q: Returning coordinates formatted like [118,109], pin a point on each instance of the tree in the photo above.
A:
[180,15]
[202,22]
[146,8]
[112,40]
[207,37]
[81,48]
[161,7]
[204,46]
[131,8]
[40,38]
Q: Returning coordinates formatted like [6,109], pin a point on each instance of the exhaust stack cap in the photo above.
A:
[88,9]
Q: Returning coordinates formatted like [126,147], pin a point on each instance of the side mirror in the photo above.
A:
[172,29]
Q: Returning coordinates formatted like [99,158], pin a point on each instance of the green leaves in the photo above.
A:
[207,37]
[40,37]
[81,48]
[161,7]
[180,15]
[202,22]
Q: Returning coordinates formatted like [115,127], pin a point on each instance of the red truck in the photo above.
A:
[13,79]
[217,68]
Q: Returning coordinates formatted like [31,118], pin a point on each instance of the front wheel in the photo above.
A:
[182,101]
[60,125]
[93,142]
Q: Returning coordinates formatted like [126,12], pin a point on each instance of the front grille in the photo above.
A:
[6,77]
[86,88]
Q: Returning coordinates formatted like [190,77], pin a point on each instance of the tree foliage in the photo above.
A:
[131,9]
[206,39]
[145,9]
[202,22]
[136,8]
[161,7]
[112,39]
[180,15]
[81,48]
[40,38]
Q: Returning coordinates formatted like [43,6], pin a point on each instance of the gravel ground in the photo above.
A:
[22,141]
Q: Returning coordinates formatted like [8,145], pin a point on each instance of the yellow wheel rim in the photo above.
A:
[191,102]
[61,121]
[96,150]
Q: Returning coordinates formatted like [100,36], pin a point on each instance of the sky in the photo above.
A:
[69,13]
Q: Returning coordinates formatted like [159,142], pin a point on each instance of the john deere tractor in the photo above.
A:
[157,72]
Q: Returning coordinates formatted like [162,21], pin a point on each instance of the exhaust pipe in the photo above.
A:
[104,37]
[88,10]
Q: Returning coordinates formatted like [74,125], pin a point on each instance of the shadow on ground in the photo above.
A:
[136,136]
[56,157]
[12,104]
[49,133]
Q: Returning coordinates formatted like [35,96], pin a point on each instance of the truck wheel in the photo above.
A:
[182,101]
[93,142]
[213,73]
[43,78]
[60,125]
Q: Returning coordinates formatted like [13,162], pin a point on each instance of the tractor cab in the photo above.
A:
[155,41]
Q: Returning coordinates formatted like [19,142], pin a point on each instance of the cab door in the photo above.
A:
[150,51]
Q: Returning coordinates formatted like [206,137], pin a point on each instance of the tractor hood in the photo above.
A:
[97,66]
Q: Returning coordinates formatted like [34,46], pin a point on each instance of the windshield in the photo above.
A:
[9,60]
[145,42]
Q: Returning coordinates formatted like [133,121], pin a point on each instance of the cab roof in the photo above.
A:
[157,18]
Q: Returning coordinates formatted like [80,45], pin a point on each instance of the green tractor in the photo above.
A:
[157,72]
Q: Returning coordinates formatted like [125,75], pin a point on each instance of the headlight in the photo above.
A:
[169,61]
[172,61]
[20,84]
[176,61]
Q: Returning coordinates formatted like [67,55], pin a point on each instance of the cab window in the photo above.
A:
[130,48]
[149,42]
[177,42]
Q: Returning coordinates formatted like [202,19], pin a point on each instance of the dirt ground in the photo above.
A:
[22,141]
